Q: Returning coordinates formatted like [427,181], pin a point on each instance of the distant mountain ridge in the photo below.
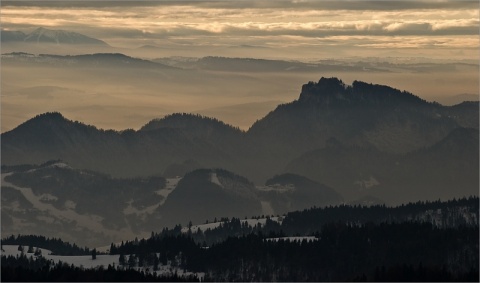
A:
[361,114]
[43,35]
[95,60]
[227,64]
[333,92]
[372,123]
[189,122]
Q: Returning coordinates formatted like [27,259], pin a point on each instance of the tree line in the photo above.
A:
[23,269]
[342,252]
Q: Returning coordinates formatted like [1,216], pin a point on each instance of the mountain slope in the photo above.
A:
[447,169]
[85,206]
[287,192]
[51,136]
[362,114]
[192,123]
[96,60]
[210,193]
[11,36]
[43,35]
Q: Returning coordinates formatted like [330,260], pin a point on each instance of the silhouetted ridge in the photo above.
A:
[382,93]
[188,122]
[466,104]
[48,118]
[325,88]
[109,59]
[52,120]
[52,136]
[333,91]
[50,115]
[96,60]
[109,56]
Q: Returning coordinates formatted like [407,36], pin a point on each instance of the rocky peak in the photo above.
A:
[333,91]
[323,90]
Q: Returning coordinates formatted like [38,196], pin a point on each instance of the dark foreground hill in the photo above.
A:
[423,241]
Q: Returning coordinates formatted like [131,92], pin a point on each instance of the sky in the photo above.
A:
[293,29]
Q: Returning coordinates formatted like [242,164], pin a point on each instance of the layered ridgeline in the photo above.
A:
[91,208]
[363,115]
[363,140]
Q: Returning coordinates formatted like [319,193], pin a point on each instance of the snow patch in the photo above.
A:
[90,222]
[293,239]
[70,205]
[86,261]
[213,225]
[261,221]
[202,227]
[14,206]
[367,184]
[83,260]
[170,186]
[48,197]
[214,179]
[60,165]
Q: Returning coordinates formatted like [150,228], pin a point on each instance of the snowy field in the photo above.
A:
[251,222]
[86,261]
[293,239]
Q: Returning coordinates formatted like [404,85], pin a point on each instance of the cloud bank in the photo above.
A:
[293,24]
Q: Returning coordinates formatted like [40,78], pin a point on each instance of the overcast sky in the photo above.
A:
[310,29]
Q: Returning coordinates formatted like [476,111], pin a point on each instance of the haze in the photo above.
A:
[429,48]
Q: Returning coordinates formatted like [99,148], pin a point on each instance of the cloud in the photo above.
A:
[354,5]
[262,23]
[177,20]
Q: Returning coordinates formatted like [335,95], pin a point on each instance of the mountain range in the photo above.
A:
[93,208]
[362,116]
[43,35]
[96,60]
[358,143]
